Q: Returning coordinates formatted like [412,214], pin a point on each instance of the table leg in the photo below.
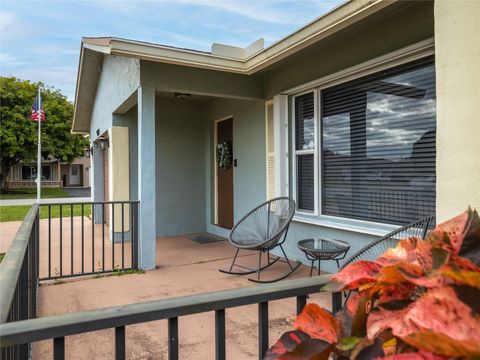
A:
[311,268]
[318,271]
[338,264]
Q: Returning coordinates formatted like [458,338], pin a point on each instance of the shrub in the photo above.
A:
[419,300]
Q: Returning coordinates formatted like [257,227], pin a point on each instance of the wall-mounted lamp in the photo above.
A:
[87,151]
[103,144]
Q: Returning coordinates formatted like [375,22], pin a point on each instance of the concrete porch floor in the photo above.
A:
[184,268]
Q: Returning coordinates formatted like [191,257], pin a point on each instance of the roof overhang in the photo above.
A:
[93,50]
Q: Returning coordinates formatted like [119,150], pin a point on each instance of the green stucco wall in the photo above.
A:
[249,178]
[180,166]
[394,30]
[119,78]
[174,78]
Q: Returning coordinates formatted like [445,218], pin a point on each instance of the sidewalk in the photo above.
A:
[12,202]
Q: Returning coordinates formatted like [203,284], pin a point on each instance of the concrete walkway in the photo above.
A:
[13,202]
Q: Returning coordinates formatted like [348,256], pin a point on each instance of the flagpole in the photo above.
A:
[39,149]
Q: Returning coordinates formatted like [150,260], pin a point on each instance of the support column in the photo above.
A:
[97,181]
[146,178]
[457,64]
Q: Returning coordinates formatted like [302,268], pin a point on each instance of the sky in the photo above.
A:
[40,39]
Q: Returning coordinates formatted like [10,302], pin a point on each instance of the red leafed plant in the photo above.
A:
[418,301]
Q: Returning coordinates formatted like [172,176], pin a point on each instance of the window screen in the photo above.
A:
[378,146]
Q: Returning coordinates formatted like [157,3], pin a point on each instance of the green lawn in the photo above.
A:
[14,213]
[32,193]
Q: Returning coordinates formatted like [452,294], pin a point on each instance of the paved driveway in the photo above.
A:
[78,191]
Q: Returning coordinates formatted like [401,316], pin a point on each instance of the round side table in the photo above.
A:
[317,249]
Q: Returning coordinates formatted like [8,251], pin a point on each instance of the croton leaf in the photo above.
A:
[438,322]
[311,349]
[287,342]
[453,231]
[470,248]
[356,274]
[368,349]
[421,355]
[318,323]
[395,293]
[404,251]
[352,302]
[461,277]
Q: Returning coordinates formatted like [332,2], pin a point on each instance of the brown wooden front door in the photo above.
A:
[225,177]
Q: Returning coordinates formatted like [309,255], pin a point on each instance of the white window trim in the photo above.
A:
[405,55]
[295,153]
[280,128]
[267,153]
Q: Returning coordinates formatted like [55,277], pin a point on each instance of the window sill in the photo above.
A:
[357,226]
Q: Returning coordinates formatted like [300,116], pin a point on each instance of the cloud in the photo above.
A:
[40,39]
[7,60]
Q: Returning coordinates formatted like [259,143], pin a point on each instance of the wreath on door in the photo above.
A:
[224,155]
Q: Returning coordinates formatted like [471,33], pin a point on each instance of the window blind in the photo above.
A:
[304,150]
[378,146]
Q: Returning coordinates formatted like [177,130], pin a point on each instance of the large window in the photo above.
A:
[377,159]
[29,172]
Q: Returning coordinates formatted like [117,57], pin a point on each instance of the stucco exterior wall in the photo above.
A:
[457,47]
[389,32]
[180,166]
[119,78]
[174,78]
[249,182]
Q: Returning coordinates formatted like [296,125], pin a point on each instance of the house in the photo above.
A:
[54,173]
[368,117]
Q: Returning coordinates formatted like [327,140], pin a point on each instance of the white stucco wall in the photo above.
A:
[457,54]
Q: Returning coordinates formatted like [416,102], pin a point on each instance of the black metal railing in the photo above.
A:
[87,238]
[58,327]
[19,281]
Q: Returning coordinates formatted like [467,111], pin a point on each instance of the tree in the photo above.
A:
[18,134]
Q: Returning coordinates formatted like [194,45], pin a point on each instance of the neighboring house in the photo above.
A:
[54,174]
[368,117]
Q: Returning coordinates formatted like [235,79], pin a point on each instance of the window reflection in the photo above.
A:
[378,146]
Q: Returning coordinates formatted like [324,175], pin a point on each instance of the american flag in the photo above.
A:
[37,113]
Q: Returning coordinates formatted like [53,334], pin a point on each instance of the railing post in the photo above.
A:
[173,338]
[120,343]
[336,302]
[59,348]
[262,329]
[220,334]
[301,302]
[135,236]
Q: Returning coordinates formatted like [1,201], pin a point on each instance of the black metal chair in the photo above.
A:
[373,250]
[263,229]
